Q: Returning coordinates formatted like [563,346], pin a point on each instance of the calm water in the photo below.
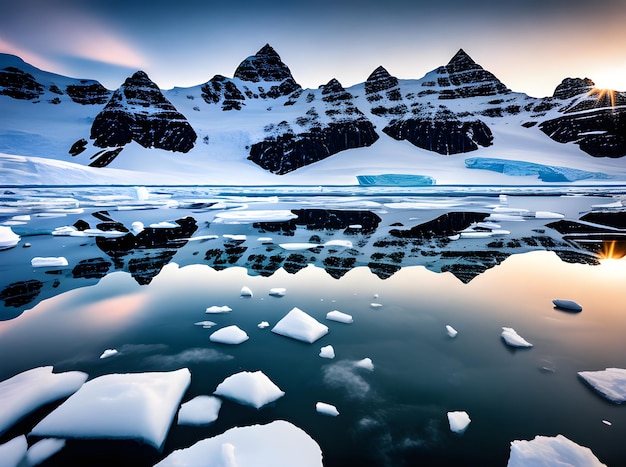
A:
[143,298]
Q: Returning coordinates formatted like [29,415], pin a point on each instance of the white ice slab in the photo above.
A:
[451,331]
[277,444]
[43,262]
[8,238]
[12,452]
[548,215]
[263,325]
[254,389]
[108,353]
[27,391]
[229,335]
[339,317]
[545,451]
[246,292]
[201,410]
[249,217]
[298,246]
[610,383]
[365,363]
[205,324]
[278,292]
[339,243]
[217,309]
[327,352]
[326,409]
[42,450]
[301,326]
[139,406]
[458,421]
[513,339]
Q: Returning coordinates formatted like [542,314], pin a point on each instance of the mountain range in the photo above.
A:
[459,124]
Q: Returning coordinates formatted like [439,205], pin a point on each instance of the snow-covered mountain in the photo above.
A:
[458,124]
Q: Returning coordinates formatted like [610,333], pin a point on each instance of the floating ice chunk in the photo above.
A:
[43,262]
[545,451]
[568,305]
[137,227]
[108,353]
[164,225]
[201,238]
[279,444]
[339,316]
[245,292]
[142,193]
[139,406]
[278,292]
[264,239]
[326,409]
[298,246]
[254,389]
[263,325]
[355,226]
[610,383]
[205,324]
[548,215]
[229,335]
[27,391]
[215,309]
[458,421]
[339,243]
[327,352]
[451,331]
[12,452]
[476,234]
[607,423]
[301,326]
[8,238]
[42,450]
[249,217]
[513,339]
[376,305]
[365,363]
[235,238]
[201,410]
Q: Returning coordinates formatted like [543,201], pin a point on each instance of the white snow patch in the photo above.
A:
[513,339]
[235,238]
[246,292]
[12,452]
[301,326]
[327,352]
[339,317]
[229,335]
[249,217]
[298,246]
[254,389]
[365,363]
[42,262]
[451,331]
[326,409]
[610,383]
[545,451]
[201,410]
[164,225]
[279,444]
[138,406]
[27,391]
[8,238]
[217,309]
[108,353]
[458,421]
[339,243]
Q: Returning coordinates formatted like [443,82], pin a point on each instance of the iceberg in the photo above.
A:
[137,406]
[215,309]
[395,180]
[278,292]
[27,391]
[366,364]
[339,317]
[279,444]
[12,452]
[513,339]
[245,292]
[326,409]
[8,238]
[458,421]
[229,335]
[546,173]
[545,451]
[108,353]
[254,389]
[263,325]
[327,352]
[43,262]
[301,326]
[205,324]
[201,410]
[567,305]
[610,383]
[451,331]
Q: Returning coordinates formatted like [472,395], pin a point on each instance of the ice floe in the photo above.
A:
[254,389]
[326,409]
[301,326]
[339,243]
[249,217]
[137,227]
[218,309]
[139,406]
[298,246]
[235,238]
[376,305]
[610,383]
[71,231]
[201,410]
[31,389]
[278,292]
[458,421]
[548,215]
[279,444]
[164,225]
[229,335]
[545,451]
[246,292]
[513,339]
[13,451]
[42,450]
[8,238]
[451,331]
[205,324]
[43,262]
[327,352]
[263,325]
[365,363]
[108,353]
[339,317]
[568,305]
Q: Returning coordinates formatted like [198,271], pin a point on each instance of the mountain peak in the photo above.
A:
[462,62]
[380,80]
[265,65]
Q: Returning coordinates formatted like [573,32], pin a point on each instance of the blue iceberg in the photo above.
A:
[395,180]
[546,173]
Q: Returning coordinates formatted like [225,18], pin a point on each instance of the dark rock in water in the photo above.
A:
[18,84]
[78,147]
[88,93]
[323,219]
[145,267]
[445,225]
[467,265]
[104,158]
[615,219]
[567,305]
[139,112]
[20,293]
[572,87]
[95,268]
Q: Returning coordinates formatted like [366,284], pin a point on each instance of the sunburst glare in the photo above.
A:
[605,97]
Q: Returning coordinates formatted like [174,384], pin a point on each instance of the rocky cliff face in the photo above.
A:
[139,112]
[18,84]
[88,92]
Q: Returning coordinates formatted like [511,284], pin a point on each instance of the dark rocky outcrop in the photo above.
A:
[88,93]
[78,147]
[380,80]
[18,84]
[447,224]
[572,87]
[139,112]
[221,89]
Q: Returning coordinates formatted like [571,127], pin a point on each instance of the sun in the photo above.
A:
[604,97]
[612,250]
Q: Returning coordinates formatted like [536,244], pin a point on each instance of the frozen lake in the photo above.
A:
[145,266]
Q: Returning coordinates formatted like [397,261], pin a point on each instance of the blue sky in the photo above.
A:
[530,45]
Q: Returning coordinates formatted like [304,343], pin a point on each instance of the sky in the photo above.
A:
[530,45]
